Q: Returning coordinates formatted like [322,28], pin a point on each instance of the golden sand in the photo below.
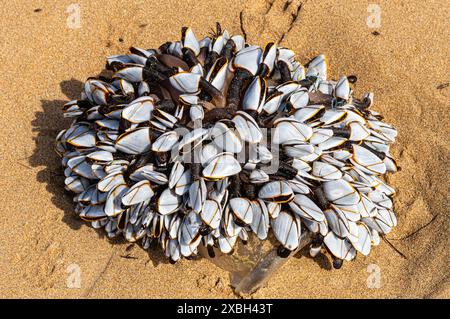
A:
[43,64]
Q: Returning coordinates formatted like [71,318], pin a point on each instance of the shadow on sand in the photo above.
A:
[46,126]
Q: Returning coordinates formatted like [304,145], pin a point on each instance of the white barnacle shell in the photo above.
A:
[138,193]
[168,202]
[135,141]
[165,142]
[225,138]
[242,209]
[248,58]
[287,229]
[211,213]
[278,191]
[221,166]
[289,129]
[139,111]
[305,207]
[260,220]
[247,127]
[186,82]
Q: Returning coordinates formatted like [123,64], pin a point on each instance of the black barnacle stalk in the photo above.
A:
[154,65]
[320,197]
[167,105]
[162,159]
[342,132]
[196,169]
[212,55]
[286,171]
[249,189]
[317,240]
[283,252]
[210,60]
[236,186]
[211,252]
[229,50]
[240,79]
[285,73]
[217,96]
[352,79]
[189,57]
[217,114]
[151,74]
[205,230]
[337,263]
[320,98]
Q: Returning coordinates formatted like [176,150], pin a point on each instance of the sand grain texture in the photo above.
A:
[43,64]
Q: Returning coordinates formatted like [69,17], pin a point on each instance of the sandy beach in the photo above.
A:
[46,56]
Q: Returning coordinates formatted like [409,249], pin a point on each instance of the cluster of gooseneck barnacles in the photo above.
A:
[205,142]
